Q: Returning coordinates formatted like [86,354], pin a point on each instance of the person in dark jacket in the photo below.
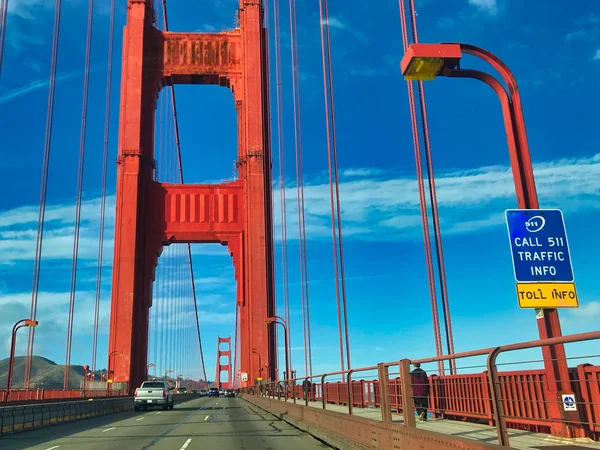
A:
[420,384]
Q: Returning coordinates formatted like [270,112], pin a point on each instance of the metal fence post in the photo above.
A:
[408,400]
[386,411]
[350,392]
[497,407]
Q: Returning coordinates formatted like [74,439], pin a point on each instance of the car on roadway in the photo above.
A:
[229,393]
[213,392]
[203,392]
[153,393]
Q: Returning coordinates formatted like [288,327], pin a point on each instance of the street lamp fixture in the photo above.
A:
[20,324]
[424,62]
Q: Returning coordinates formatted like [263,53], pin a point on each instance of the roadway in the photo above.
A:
[203,423]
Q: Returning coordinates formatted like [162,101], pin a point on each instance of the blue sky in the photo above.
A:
[555,54]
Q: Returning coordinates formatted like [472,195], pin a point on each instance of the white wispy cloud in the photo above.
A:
[596,56]
[487,6]
[375,205]
[344,25]
[387,207]
[41,83]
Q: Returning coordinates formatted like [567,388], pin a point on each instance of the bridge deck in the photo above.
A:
[519,439]
[204,423]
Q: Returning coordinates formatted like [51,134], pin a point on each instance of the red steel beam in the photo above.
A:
[151,215]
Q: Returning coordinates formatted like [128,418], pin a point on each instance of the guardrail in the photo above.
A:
[32,416]
[518,399]
[20,396]
[27,417]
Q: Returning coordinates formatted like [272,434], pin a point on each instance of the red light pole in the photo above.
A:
[148,369]
[280,321]
[425,62]
[20,324]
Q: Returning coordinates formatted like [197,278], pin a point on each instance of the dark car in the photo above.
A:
[229,393]
[214,392]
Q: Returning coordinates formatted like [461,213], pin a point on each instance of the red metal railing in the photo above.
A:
[521,399]
[467,397]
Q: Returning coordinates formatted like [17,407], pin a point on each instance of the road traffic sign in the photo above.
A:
[547,295]
[539,246]
[569,402]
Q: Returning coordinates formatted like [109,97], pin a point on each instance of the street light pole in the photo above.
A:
[280,321]
[11,364]
[260,368]
[148,369]
[425,62]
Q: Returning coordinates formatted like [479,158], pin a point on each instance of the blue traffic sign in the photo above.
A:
[539,246]
[569,401]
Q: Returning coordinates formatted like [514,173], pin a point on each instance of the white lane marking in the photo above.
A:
[141,418]
[56,446]
[206,418]
[104,431]
[158,413]
[186,444]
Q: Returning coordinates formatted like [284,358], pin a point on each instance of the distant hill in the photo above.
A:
[45,374]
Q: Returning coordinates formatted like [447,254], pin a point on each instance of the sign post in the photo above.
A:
[541,259]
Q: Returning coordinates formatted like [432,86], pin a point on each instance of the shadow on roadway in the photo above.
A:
[139,431]
[37,436]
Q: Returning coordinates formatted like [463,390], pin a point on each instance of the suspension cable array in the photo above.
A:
[334,194]
[170,314]
[432,198]
[43,193]
[173,330]
[111,38]
[77,228]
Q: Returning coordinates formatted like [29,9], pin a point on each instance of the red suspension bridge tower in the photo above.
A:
[228,383]
[151,214]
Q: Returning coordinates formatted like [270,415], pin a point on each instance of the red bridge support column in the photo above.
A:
[151,214]
[133,253]
[223,367]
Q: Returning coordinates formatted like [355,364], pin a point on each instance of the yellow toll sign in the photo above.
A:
[547,295]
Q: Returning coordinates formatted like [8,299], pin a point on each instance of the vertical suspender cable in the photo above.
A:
[104,176]
[333,179]
[337,186]
[281,153]
[422,199]
[75,257]
[433,200]
[300,188]
[3,15]
[43,193]
[189,248]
